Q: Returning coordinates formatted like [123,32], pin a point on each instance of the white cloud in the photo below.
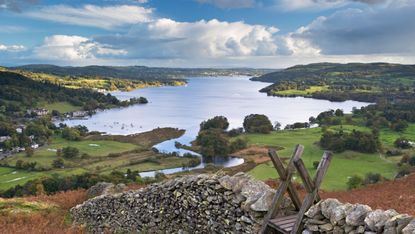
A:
[230,3]
[73,48]
[291,5]
[12,48]
[106,17]
[362,31]
[171,39]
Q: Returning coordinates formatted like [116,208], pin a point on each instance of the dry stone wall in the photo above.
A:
[331,216]
[190,204]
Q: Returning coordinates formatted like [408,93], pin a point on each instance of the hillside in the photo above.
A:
[340,82]
[18,93]
[139,72]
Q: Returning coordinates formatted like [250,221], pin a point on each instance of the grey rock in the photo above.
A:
[376,220]
[397,223]
[328,206]
[357,215]
[314,210]
[326,227]
[410,228]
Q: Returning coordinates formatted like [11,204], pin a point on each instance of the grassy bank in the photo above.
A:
[343,165]
[101,155]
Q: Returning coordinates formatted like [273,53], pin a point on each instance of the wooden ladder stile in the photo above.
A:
[292,224]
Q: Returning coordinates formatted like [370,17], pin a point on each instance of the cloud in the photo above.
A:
[291,5]
[12,48]
[230,3]
[106,17]
[166,38]
[16,5]
[357,31]
[73,48]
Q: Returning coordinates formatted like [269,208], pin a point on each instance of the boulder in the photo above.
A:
[357,214]
[410,228]
[376,220]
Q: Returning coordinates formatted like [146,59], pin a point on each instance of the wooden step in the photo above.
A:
[283,224]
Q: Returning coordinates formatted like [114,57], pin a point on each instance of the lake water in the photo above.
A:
[185,107]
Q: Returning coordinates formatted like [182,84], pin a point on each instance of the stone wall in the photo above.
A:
[331,216]
[190,204]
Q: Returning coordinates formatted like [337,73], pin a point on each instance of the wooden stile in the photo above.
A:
[292,224]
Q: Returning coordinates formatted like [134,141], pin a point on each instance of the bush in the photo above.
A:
[58,163]
[315,164]
[372,178]
[412,161]
[256,123]
[71,134]
[237,145]
[235,132]
[354,182]
[29,151]
[219,122]
[402,143]
[70,152]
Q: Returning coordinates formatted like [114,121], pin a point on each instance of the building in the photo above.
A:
[38,112]
[4,138]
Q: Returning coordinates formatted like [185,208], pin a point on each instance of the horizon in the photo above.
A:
[262,34]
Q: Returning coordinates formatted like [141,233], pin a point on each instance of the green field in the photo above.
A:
[62,107]
[343,165]
[10,177]
[297,92]
[44,156]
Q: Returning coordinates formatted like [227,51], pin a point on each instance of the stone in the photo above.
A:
[264,202]
[326,227]
[410,228]
[360,229]
[397,223]
[357,215]
[328,205]
[314,210]
[376,220]
[338,214]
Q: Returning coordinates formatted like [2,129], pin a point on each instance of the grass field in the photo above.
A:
[129,152]
[62,107]
[44,156]
[343,165]
[296,92]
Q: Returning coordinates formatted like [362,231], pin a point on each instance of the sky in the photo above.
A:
[206,33]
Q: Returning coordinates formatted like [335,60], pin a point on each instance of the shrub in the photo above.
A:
[412,161]
[354,182]
[235,132]
[71,134]
[29,151]
[237,145]
[256,123]
[58,163]
[372,178]
[70,152]
[402,143]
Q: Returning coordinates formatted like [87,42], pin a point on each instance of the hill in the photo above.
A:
[340,82]
[139,72]
[19,93]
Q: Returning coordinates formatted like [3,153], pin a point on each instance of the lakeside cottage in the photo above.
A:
[38,112]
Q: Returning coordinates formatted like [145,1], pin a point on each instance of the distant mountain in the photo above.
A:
[139,72]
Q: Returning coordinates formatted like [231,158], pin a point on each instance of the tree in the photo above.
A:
[219,122]
[399,125]
[277,125]
[256,123]
[71,134]
[58,163]
[70,152]
[213,142]
[339,113]
[29,152]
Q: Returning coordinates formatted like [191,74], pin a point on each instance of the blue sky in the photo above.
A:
[206,33]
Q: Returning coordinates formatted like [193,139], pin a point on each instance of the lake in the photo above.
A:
[185,107]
